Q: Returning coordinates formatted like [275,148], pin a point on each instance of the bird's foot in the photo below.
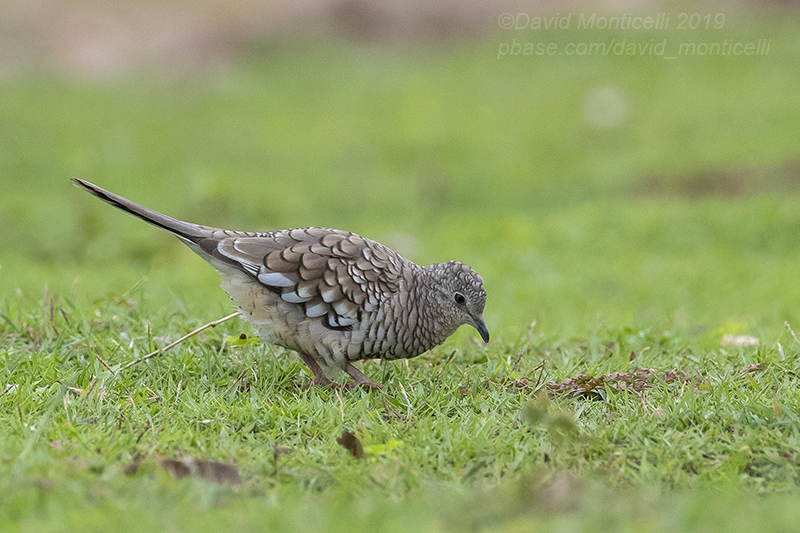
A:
[359,379]
[319,376]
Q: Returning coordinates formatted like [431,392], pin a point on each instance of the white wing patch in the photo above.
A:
[276,279]
[316,310]
[341,321]
[294,298]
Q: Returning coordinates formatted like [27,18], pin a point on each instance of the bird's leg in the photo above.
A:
[359,377]
[319,376]
[321,379]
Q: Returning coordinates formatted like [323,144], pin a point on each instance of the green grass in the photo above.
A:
[655,238]
[472,444]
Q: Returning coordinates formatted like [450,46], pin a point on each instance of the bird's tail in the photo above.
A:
[191,233]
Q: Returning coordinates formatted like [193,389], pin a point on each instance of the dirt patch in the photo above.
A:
[593,387]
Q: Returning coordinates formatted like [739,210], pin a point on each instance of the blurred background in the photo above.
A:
[598,173]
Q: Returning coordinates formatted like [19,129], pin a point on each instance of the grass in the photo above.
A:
[633,247]
[463,440]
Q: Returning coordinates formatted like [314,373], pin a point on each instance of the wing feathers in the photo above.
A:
[332,274]
[276,279]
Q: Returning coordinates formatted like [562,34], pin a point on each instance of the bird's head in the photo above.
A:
[459,295]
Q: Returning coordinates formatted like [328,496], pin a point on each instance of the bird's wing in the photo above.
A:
[333,274]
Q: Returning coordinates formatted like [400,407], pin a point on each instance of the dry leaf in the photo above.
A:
[592,386]
[752,368]
[177,467]
[351,443]
[208,470]
[218,472]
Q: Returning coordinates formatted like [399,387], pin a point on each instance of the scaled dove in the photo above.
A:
[330,295]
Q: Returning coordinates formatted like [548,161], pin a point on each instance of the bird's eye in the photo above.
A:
[460,299]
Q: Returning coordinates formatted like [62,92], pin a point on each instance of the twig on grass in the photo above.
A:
[791,331]
[540,368]
[175,343]
[66,409]
[449,358]
[403,390]
[625,386]
[178,392]
[146,428]
[238,379]
[515,366]
[92,383]
[341,403]
[100,359]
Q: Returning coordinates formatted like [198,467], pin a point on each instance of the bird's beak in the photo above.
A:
[477,323]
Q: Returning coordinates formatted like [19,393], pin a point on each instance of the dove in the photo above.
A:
[332,296]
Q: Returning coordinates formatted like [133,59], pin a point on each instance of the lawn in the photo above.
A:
[610,245]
